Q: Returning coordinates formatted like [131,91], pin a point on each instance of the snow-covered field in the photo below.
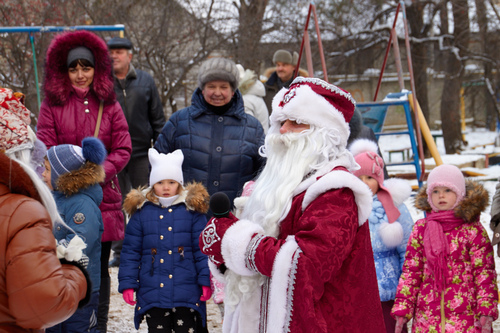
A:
[121,314]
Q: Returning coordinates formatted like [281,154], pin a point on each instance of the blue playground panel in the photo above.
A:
[374,114]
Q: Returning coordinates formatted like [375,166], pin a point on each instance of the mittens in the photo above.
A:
[207,293]
[128,296]
[211,237]
[400,322]
[486,323]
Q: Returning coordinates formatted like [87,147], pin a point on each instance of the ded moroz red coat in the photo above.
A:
[320,269]
[67,117]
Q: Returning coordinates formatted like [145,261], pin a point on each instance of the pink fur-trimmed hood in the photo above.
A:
[56,84]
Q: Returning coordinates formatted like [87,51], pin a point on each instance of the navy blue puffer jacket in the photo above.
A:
[220,151]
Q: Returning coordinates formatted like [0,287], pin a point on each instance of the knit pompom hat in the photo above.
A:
[66,158]
[14,121]
[364,152]
[165,166]
[218,69]
[448,176]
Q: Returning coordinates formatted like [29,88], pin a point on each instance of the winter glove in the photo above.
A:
[400,323]
[486,323]
[128,296]
[72,251]
[211,237]
[207,293]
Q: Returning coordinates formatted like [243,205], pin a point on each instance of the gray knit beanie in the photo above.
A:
[286,57]
[218,69]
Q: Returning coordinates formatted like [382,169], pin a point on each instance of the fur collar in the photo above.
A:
[195,196]
[15,179]
[57,86]
[469,209]
[72,182]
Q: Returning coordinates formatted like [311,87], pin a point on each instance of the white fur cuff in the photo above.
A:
[234,245]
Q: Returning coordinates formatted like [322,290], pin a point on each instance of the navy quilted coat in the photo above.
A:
[220,151]
[161,257]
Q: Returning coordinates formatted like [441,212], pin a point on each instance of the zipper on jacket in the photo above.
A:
[443,322]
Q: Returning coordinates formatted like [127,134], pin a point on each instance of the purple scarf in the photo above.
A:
[435,244]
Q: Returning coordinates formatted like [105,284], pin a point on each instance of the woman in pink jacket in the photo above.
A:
[448,282]
[78,80]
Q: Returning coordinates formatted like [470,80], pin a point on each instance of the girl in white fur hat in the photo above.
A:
[161,261]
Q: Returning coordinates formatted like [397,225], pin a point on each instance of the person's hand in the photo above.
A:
[211,237]
[128,296]
[400,322]
[72,251]
[486,323]
[207,293]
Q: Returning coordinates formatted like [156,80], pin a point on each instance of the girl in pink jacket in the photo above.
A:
[448,282]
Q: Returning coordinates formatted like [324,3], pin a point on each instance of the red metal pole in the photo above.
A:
[320,45]
[386,54]
[302,44]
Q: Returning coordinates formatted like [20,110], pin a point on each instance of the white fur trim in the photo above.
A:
[239,204]
[339,179]
[234,245]
[307,107]
[399,189]
[282,278]
[391,234]
[363,145]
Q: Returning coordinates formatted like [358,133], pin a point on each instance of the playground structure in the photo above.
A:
[43,29]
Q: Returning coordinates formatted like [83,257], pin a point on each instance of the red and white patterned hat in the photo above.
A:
[14,121]
[315,102]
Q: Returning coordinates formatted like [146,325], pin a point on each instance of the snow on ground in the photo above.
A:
[121,314]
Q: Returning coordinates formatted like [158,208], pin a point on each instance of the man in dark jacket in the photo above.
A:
[138,96]
[220,142]
[285,62]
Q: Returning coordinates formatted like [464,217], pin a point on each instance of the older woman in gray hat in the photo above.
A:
[219,140]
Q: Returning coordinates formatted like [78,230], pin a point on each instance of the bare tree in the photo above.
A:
[450,99]
[17,53]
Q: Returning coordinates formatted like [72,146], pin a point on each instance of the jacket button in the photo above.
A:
[138,308]
[161,261]
[497,234]
[169,251]
[170,210]
[220,119]
[197,304]
[161,236]
[170,276]
[169,228]
[85,102]
[87,110]
[218,149]
[161,217]
[161,285]
[216,183]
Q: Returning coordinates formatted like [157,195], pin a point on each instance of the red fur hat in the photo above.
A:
[57,85]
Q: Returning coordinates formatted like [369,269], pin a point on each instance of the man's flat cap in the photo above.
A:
[119,43]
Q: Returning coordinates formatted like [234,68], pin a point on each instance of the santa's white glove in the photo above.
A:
[72,251]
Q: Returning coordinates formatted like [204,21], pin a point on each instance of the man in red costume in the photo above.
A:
[300,257]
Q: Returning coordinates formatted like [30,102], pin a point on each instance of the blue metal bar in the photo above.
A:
[32,40]
[116,27]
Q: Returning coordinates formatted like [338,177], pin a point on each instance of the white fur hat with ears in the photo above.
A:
[165,166]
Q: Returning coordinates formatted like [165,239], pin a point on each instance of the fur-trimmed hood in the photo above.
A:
[195,196]
[56,84]
[469,209]
[13,176]
[72,182]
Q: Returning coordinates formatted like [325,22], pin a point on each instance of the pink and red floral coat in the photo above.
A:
[471,288]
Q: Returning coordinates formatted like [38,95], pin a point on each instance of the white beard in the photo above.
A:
[290,157]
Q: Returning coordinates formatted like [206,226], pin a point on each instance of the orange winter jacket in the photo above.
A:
[36,291]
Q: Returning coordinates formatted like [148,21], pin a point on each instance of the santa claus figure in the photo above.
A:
[299,258]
